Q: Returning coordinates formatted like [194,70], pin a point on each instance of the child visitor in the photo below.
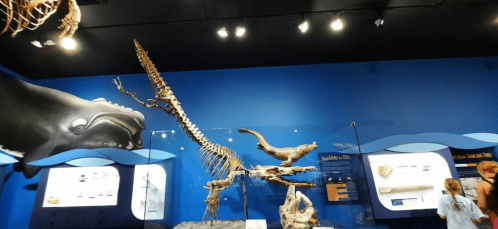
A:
[458,211]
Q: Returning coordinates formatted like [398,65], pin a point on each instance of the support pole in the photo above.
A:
[244,193]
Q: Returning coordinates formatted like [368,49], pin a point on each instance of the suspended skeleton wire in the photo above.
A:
[30,14]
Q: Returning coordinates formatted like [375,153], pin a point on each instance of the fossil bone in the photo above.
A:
[273,174]
[22,14]
[385,170]
[387,190]
[53,200]
[218,160]
[288,155]
[291,216]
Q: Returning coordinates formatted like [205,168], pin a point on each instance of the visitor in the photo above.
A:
[486,191]
[459,212]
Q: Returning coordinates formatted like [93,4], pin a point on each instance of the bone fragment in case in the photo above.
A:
[387,190]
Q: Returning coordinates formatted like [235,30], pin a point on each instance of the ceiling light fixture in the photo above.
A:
[223,32]
[302,24]
[68,43]
[36,43]
[240,31]
[303,27]
[49,43]
[379,20]
[337,25]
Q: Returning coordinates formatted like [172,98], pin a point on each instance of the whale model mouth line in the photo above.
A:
[134,137]
[117,105]
[14,153]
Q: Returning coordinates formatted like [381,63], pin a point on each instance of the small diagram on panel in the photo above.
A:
[82,187]
[149,189]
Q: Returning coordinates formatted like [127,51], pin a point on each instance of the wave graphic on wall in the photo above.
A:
[97,157]
[427,142]
[5,159]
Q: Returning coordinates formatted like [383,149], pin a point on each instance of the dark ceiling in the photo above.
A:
[182,35]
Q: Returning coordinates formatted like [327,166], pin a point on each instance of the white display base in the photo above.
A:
[256,224]
[411,169]
[148,202]
[82,187]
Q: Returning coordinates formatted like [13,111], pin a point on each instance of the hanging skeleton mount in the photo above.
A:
[219,160]
[30,14]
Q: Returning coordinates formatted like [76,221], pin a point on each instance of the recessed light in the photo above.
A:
[68,43]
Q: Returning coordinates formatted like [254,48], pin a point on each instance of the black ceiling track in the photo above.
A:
[90,2]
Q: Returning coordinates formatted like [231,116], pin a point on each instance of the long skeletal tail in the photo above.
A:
[263,144]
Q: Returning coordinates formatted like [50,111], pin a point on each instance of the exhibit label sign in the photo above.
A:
[339,176]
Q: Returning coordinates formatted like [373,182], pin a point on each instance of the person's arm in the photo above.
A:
[481,196]
[441,210]
[476,212]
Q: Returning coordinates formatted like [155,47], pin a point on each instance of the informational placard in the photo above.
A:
[256,224]
[149,187]
[82,187]
[339,174]
[409,181]
[466,162]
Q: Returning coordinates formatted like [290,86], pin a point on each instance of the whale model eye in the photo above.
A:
[78,125]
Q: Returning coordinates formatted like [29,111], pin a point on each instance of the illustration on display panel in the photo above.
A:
[30,14]
[219,160]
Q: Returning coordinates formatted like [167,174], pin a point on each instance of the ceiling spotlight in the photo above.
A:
[49,43]
[302,24]
[223,32]
[303,27]
[36,43]
[68,43]
[379,22]
[337,25]
[240,31]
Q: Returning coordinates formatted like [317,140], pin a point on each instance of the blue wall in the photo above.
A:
[384,98]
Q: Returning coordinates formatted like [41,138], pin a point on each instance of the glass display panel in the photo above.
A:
[340,196]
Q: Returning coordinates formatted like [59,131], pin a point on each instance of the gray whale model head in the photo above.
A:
[38,122]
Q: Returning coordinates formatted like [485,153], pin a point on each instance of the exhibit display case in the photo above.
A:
[339,198]
[81,161]
[170,188]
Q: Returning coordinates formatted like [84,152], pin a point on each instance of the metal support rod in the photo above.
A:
[356,133]
[244,193]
